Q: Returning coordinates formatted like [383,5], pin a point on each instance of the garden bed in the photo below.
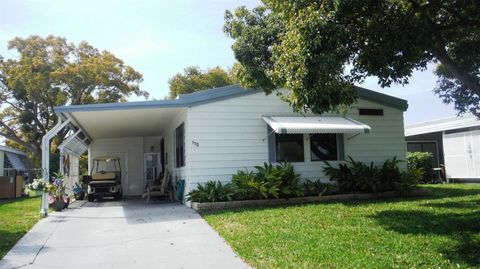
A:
[215,206]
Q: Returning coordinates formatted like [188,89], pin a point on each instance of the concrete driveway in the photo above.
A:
[127,234]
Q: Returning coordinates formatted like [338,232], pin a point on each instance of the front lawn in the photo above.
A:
[16,218]
[441,231]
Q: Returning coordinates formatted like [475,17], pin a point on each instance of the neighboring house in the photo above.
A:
[454,143]
[13,162]
[210,135]
[15,170]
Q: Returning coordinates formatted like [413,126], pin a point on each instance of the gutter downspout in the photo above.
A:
[46,159]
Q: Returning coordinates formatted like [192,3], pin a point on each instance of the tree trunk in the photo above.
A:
[469,81]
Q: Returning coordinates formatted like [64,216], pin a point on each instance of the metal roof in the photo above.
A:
[7,149]
[439,125]
[216,94]
[315,125]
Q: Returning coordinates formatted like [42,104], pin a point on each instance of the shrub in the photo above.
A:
[408,180]
[212,191]
[316,188]
[421,160]
[355,176]
[290,181]
[268,181]
[249,186]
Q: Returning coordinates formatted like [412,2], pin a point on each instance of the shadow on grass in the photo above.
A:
[462,228]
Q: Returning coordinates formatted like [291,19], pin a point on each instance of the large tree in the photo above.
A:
[50,72]
[195,79]
[318,49]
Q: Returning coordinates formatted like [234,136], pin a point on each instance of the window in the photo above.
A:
[289,147]
[323,147]
[180,146]
[370,112]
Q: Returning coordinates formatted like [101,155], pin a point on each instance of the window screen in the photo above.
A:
[323,147]
[289,147]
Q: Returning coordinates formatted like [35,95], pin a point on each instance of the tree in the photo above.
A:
[51,72]
[194,79]
[318,49]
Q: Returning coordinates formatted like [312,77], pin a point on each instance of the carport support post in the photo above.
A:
[46,160]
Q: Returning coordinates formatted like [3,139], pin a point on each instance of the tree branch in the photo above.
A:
[471,82]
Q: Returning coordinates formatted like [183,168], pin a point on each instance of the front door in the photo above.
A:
[151,166]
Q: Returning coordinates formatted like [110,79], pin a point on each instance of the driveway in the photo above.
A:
[126,234]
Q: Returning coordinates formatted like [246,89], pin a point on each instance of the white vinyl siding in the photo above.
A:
[232,136]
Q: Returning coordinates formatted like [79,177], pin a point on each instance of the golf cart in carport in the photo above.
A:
[105,179]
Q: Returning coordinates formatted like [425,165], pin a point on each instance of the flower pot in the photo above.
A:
[79,195]
[58,205]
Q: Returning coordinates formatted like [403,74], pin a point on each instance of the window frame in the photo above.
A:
[179,135]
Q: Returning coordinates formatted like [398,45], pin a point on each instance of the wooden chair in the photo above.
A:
[162,190]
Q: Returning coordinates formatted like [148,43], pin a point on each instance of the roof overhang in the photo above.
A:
[315,125]
[149,121]
[440,125]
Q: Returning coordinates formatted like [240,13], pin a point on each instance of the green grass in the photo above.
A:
[16,218]
[439,231]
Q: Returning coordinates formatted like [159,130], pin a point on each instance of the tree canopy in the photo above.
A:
[318,49]
[195,79]
[50,72]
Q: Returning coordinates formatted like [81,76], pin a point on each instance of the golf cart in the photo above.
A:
[105,178]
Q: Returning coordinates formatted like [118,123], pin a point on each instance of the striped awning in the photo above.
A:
[18,163]
[315,125]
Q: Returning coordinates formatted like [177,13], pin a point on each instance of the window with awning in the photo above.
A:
[315,125]
[323,136]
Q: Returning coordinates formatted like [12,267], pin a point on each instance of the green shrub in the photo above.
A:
[290,181]
[408,180]
[316,188]
[421,160]
[212,191]
[268,181]
[248,186]
[355,176]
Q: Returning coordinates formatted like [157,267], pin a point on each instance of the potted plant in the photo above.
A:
[58,200]
[37,187]
[78,192]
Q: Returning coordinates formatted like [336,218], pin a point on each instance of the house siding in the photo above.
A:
[230,135]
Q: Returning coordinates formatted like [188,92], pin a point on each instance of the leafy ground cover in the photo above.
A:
[16,218]
[438,231]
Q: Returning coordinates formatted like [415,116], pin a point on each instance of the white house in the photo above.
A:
[454,143]
[210,135]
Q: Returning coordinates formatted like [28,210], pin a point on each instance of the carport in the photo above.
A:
[134,131]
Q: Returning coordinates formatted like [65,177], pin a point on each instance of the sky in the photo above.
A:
[161,38]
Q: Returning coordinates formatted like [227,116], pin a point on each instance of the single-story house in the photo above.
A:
[454,143]
[211,134]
